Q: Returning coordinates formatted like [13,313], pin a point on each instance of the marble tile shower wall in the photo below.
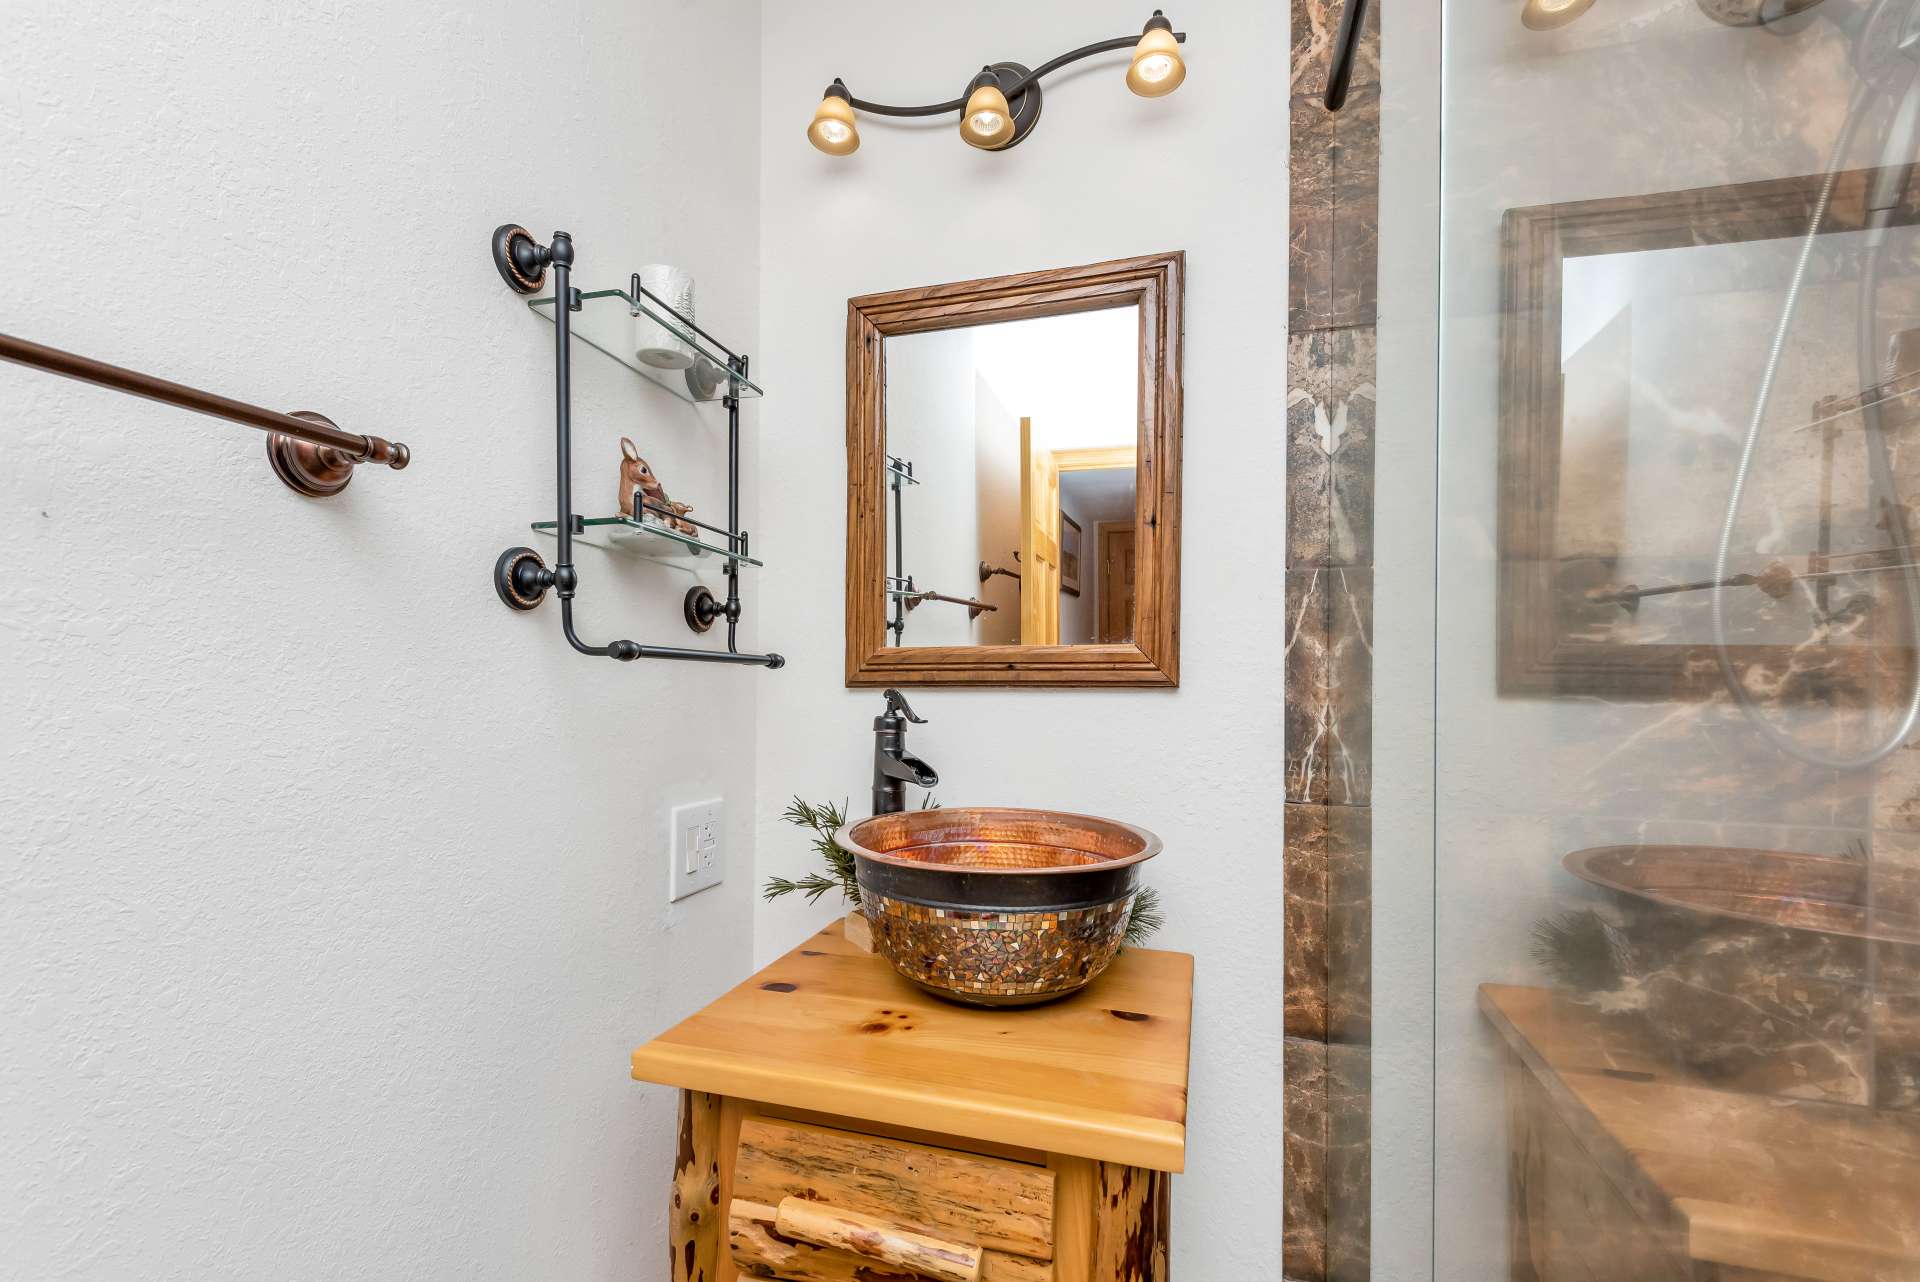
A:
[1332,273]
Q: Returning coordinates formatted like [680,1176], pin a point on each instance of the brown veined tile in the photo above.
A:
[1350,686]
[1349,1081]
[1303,1250]
[1310,213]
[1896,793]
[1305,676]
[1330,447]
[1893,877]
[1699,761]
[1896,1052]
[1351,395]
[1354,284]
[1305,878]
[1309,455]
[1349,924]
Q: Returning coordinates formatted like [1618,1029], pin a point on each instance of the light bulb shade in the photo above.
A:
[1157,66]
[833,130]
[1545,15]
[987,123]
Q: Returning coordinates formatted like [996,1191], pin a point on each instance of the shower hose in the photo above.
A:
[1880,470]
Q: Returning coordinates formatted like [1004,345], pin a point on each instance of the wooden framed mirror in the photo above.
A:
[1634,331]
[1013,480]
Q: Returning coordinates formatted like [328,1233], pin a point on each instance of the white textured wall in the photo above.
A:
[930,391]
[331,892]
[996,476]
[1107,174]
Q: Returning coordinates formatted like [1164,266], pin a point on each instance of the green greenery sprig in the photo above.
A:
[823,821]
[1145,917]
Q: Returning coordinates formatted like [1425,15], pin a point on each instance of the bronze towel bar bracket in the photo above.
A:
[974,608]
[988,571]
[305,449]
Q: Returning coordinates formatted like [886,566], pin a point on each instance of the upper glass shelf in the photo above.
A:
[655,542]
[692,366]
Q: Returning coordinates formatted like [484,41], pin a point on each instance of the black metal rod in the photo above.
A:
[565,579]
[899,624]
[642,291]
[732,539]
[1346,51]
[1032,77]
[737,365]
[360,449]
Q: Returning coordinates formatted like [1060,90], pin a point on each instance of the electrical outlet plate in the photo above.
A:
[699,848]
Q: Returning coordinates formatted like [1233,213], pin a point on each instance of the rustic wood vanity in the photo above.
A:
[1623,1165]
[839,1125]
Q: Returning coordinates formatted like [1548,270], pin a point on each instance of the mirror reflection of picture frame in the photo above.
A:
[1070,542]
[1544,642]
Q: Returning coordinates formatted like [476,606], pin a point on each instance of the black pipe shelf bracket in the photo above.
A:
[520,576]
[1346,51]
[900,583]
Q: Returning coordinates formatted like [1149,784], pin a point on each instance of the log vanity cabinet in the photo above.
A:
[839,1125]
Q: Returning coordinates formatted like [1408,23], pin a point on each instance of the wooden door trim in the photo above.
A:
[1097,458]
[1102,532]
[1156,284]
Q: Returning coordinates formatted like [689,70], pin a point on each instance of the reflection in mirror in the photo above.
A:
[1011,478]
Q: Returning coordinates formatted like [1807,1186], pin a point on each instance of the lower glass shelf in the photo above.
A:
[656,542]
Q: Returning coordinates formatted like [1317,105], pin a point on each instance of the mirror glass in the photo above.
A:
[1011,481]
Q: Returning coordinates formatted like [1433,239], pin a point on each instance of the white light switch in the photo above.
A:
[699,847]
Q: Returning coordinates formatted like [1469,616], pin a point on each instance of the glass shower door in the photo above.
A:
[1676,797]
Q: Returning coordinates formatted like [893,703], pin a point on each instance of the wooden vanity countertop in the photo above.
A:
[1101,1074]
[1785,1188]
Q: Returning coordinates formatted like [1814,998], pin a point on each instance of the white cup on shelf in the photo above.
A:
[653,343]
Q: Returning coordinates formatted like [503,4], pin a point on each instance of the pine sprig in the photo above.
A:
[823,821]
[1146,916]
[1581,950]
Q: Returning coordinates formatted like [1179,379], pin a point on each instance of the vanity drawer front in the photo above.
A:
[921,1210]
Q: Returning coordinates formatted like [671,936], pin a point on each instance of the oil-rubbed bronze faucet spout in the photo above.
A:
[893,766]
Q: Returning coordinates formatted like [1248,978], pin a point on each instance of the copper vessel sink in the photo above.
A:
[994,906]
[1759,969]
[1827,894]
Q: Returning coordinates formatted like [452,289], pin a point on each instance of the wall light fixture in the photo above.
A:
[1545,15]
[1002,104]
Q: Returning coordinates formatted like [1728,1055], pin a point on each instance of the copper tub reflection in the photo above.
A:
[1759,968]
[998,907]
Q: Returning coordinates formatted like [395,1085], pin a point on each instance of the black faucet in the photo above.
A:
[893,766]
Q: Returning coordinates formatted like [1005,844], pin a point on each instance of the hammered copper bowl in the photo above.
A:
[997,907]
[1760,968]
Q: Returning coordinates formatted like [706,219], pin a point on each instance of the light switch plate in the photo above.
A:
[699,847]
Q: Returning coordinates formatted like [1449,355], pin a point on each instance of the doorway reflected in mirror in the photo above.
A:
[1011,460]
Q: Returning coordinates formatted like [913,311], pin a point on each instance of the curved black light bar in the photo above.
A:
[1002,104]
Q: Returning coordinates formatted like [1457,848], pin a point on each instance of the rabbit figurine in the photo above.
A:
[636,475]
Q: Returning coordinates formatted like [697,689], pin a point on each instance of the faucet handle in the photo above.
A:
[897,703]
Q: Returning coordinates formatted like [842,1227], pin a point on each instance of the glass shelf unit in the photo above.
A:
[607,320]
[656,542]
